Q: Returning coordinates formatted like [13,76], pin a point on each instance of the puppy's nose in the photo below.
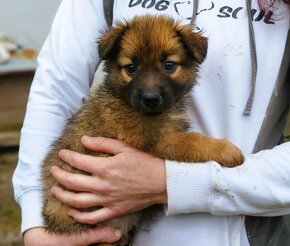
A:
[151,99]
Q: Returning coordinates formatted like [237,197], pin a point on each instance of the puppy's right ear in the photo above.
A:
[109,41]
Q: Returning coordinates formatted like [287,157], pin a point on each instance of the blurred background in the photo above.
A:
[24,26]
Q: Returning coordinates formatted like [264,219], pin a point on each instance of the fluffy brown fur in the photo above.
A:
[151,64]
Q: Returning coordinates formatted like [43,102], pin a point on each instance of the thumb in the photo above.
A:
[104,145]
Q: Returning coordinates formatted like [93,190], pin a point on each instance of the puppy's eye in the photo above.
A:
[131,69]
[170,66]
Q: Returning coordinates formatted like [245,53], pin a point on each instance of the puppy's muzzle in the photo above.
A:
[152,101]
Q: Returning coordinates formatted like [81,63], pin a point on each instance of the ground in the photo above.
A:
[9,211]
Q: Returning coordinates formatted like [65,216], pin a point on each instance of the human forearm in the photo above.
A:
[259,187]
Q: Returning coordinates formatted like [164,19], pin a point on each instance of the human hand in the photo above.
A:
[128,181]
[39,236]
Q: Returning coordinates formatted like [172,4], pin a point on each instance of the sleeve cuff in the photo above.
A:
[31,204]
[189,188]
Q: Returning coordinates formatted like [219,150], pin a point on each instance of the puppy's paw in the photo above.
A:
[227,154]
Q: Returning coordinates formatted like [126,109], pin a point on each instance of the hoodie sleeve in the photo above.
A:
[66,67]
[259,187]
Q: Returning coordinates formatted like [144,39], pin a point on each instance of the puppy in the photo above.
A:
[151,64]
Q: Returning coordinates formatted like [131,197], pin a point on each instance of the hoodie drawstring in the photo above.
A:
[194,12]
[254,62]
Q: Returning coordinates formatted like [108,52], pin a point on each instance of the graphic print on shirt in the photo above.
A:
[180,6]
[223,12]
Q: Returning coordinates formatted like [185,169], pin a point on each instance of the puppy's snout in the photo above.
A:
[151,99]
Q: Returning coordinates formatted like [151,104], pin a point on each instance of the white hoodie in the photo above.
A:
[207,203]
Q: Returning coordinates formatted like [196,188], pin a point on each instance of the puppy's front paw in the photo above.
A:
[227,154]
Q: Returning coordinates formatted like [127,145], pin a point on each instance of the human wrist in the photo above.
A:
[190,188]
[32,236]
[159,186]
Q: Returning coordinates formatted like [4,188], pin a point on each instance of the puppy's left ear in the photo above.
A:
[109,41]
[193,41]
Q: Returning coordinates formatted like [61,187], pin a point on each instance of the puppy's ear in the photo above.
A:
[108,42]
[193,41]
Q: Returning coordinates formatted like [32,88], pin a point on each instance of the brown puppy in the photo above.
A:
[151,63]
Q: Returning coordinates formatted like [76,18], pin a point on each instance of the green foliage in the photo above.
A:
[287,138]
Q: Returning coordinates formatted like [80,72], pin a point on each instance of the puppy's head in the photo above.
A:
[151,61]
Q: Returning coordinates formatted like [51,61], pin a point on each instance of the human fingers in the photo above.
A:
[96,235]
[77,200]
[82,162]
[94,217]
[39,236]
[74,181]
[105,145]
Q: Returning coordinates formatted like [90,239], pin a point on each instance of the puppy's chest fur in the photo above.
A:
[108,116]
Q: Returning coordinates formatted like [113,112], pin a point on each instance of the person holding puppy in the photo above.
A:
[205,203]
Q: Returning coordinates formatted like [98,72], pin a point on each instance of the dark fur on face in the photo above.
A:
[156,67]
[151,63]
